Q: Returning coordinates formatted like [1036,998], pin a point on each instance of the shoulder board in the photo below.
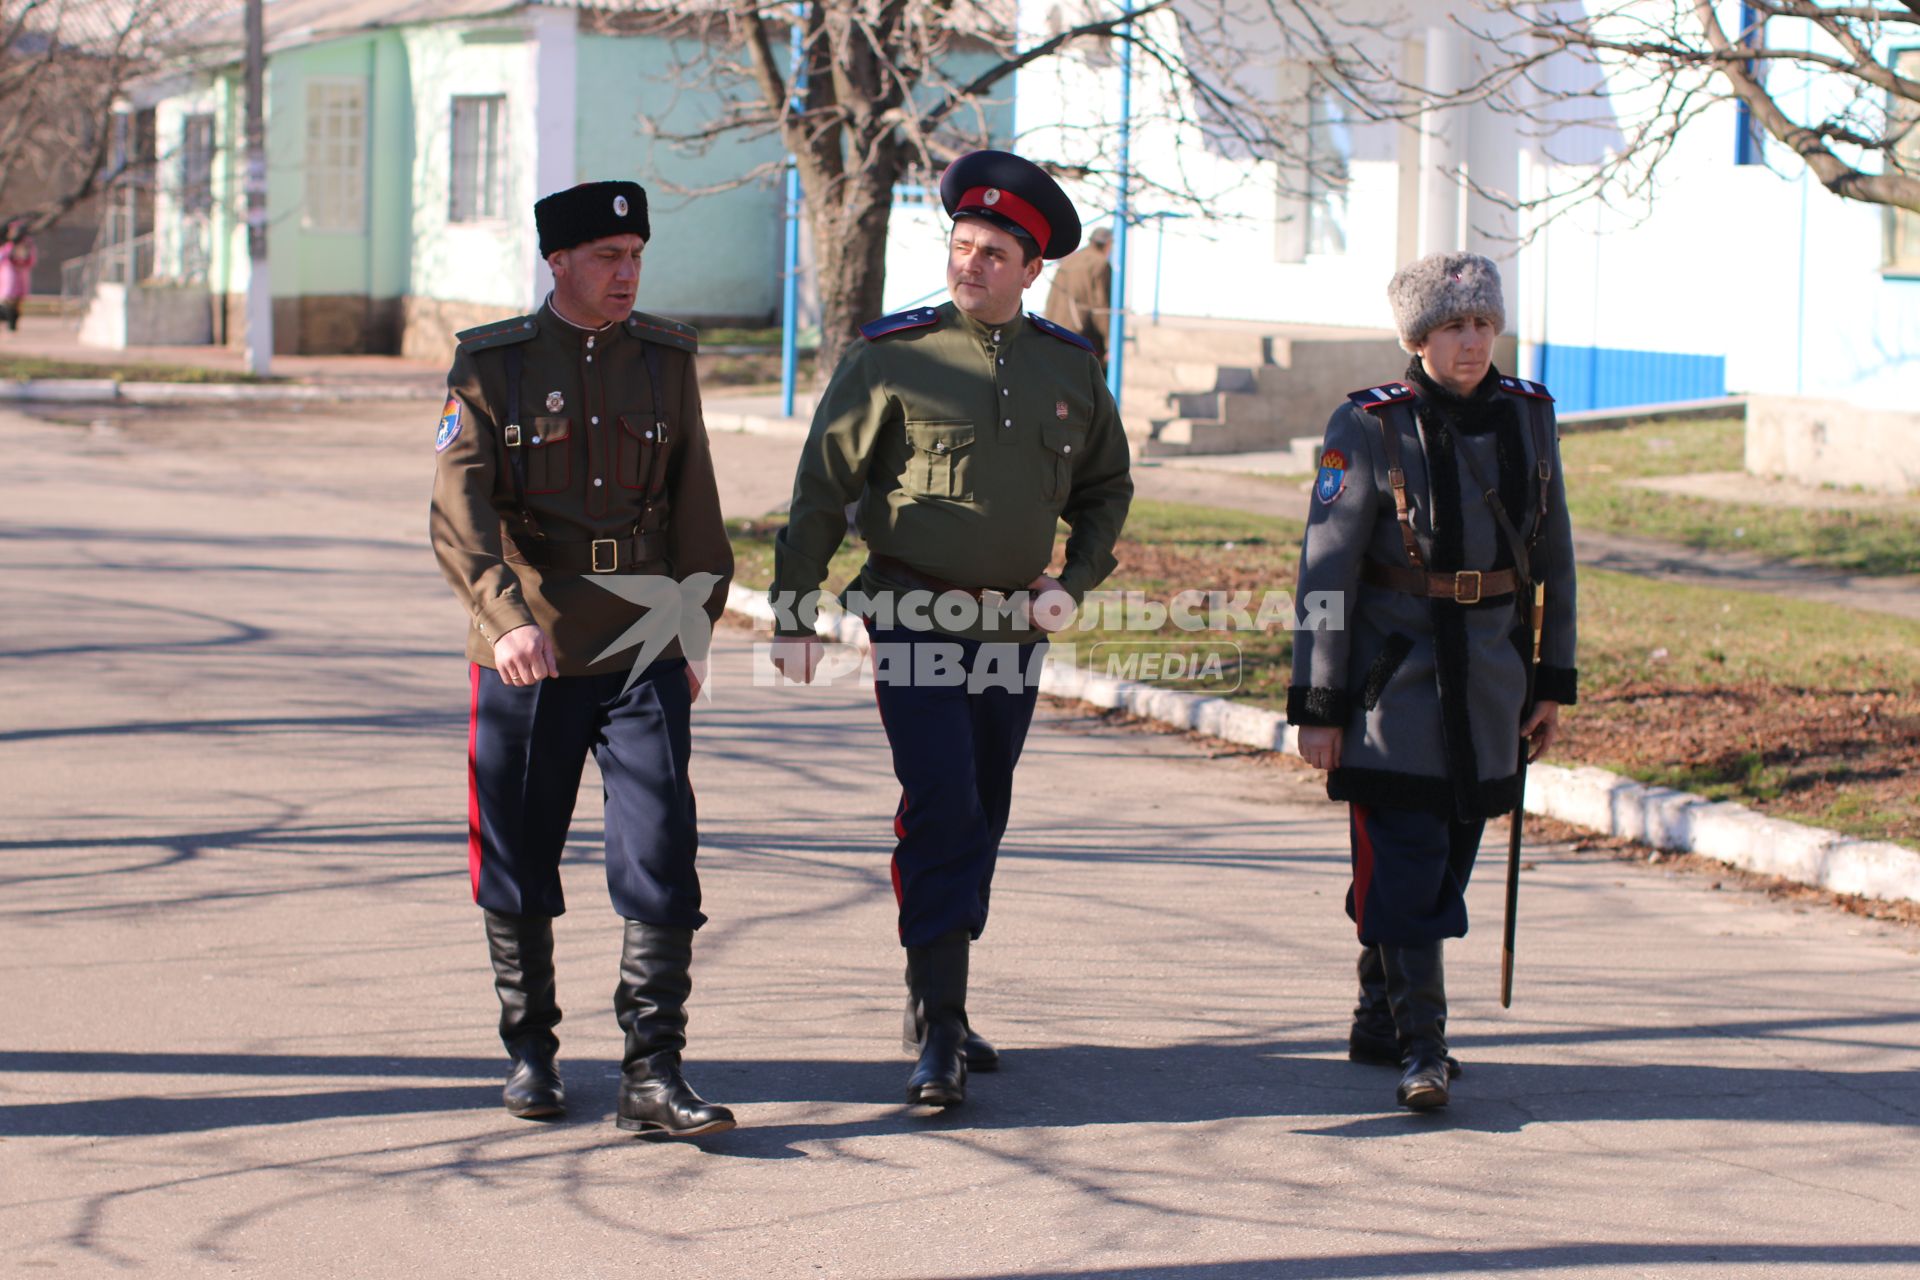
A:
[1521,387]
[1061,332]
[1385,393]
[899,322]
[501,333]
[667,332]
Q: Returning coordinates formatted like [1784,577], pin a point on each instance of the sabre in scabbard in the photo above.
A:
[1536,617]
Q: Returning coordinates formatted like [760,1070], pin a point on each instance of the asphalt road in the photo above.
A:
[250,1027]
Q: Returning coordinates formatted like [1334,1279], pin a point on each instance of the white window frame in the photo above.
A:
[484,172]
[335,202]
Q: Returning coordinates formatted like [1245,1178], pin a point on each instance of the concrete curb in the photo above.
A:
[105,391]
[1675,821]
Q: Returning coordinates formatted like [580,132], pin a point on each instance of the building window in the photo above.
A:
[1329,172]
[336,155]
[1750,137]
[196,166]
[479,159]
[1312,213]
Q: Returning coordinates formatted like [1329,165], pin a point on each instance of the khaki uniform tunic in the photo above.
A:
[615,454]
[1082,296]
[965,445]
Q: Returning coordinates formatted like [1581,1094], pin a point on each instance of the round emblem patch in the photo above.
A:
[449,426]
[619,206]
[992,196]
[1333,475]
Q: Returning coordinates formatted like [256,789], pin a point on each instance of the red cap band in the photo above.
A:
[1008,205]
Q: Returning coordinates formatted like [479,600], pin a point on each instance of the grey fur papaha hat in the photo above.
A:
[1442,287]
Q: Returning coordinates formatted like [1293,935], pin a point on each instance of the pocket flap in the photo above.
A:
[551,431]
[940,437]
[1061,438]
[643,427]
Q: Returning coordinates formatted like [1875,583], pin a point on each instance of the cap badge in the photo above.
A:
[1060,410]
[992,196]
[555,402]
[619,206]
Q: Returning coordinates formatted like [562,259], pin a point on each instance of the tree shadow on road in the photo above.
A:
[1305,1081]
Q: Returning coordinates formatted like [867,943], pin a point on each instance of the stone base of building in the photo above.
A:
[1828,442]
[318,324]
[428,324]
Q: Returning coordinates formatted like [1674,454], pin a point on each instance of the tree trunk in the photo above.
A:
[849,220]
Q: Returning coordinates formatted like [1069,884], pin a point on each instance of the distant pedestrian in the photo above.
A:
[1081,298]
[18,253]
[1439,504]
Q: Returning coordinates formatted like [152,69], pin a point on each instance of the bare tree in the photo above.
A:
[879,96]
[63,67]
[1809,74]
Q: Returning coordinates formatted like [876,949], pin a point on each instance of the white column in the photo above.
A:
[1443,145]
[554,52]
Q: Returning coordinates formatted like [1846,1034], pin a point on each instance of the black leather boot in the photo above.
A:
[522,951]
[651,1003]
[1417,991]
[1373,1038]
[937,977]
[981,1056]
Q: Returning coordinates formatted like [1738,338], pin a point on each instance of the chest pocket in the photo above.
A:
[1061,446]
[642,450]
[550,455]
[941,465]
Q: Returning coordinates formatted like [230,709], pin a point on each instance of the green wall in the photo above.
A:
[711,255]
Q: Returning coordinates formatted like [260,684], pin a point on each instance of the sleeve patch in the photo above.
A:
[449,425]
[1332,480]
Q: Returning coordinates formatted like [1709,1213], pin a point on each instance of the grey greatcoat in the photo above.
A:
[1429,691]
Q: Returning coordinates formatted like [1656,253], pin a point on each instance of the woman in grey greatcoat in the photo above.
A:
[1418,705]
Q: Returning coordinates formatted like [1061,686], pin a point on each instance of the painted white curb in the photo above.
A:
[1596,799]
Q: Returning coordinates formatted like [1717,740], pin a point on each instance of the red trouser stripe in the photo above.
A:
[900,812]
[473,782]
[1362,866]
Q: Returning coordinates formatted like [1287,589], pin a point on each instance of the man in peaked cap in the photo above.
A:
[573,478]
[965,432]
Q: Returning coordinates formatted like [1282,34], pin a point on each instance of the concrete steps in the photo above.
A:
[1202,386]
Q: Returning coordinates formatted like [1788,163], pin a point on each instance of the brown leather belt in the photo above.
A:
[1469,586]
[901,571]
[601,555]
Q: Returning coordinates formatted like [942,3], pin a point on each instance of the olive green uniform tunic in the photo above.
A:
[964,444]
[618,477]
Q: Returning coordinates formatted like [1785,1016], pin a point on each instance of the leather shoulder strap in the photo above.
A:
[1397,475]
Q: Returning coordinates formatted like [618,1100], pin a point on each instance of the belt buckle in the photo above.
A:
[1460,595]
[512,434]
[613,555]
[992,600]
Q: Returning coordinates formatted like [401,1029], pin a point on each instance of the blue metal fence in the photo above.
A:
[1608,377]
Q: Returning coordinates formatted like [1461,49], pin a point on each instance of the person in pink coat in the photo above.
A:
[17,257]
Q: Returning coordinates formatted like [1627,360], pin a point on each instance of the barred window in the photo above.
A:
[478,185]
[336,155]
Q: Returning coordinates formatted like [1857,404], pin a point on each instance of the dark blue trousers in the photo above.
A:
[956,739]
[1410,873]
[526,748]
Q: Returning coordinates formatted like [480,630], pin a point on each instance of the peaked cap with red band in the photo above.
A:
[1013,194]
